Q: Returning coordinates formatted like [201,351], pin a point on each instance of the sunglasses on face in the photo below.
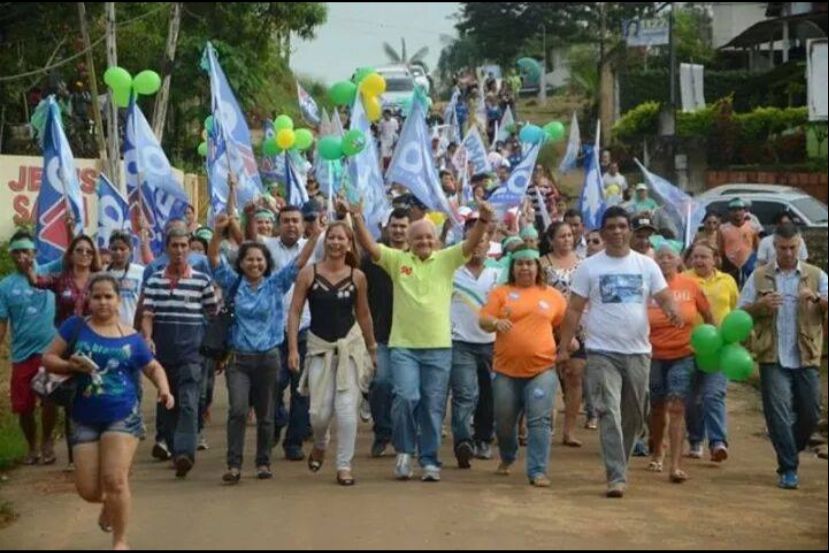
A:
[594,241]
[84,251]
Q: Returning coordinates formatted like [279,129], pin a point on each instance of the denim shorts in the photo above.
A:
[83,433]
[671,378]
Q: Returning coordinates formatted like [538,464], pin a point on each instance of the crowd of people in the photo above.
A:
[497,317]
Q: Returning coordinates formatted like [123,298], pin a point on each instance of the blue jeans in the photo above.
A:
[380,395]
[536,397]
[421,388]
[208,383]
[705,409]
[296,418]
[671,379]
[791,404]
[468,360]
[179,425]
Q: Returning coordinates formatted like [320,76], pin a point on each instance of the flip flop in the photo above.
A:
[345,480]
[314,465]
[107,528]
[571,442]
[655,466]
[678,477]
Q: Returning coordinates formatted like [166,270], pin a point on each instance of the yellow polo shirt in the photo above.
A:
[721,291]
[422,296]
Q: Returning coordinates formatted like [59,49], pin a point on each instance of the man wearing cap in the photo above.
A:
[421,338]
[642,203]
[31,312]
[738,242]
[643,229]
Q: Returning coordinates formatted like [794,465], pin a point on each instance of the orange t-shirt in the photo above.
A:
[738,242]
[668,341]
[528,348]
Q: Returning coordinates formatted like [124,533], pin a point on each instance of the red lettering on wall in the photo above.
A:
[35,176]
[20,184]
[21,208]
[88,177]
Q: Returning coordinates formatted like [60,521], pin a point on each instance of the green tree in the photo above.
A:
[402,56]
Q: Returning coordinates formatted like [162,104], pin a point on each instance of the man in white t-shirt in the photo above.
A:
[618,283]
[614,185]
[389,127]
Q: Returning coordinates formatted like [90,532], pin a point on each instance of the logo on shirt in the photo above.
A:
[514,296]
[543,305]
[622,288]
[406,270]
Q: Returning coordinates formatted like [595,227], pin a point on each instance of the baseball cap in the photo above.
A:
[643,222]
[737,203]
[641,186]
[311,209]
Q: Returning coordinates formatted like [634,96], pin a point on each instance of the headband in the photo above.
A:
[510,240]
[21,244]
[204,233]
[265,214]
[526,254]
[529,232]
[658,242]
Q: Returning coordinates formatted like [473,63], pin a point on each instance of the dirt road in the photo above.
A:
[731,506]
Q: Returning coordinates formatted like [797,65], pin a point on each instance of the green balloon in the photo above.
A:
[117,78]
[362,73]
[303,140]
[122,96]
[354,142]
[736,362]
[208,123]
[736,327]
[555,130]
[706,340]
[270,147]
[709,362]
[147,82]
[330,148]
[343,93]
[203,149]
[283,122]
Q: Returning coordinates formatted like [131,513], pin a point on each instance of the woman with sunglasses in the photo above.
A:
[70,288]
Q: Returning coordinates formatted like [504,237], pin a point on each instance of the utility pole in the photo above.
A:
[672,47]
[113,142]
[93,85]
[542,92]
[162,100]
[603,96]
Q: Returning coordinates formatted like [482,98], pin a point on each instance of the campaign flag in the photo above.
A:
[591,202]
[229,143]
[506,126]
[296,191]
[568,162]
[364,172]
[307,106]
[412,164]
[542,206]
[113,210]
[325,123]
[680,208]
[271,168]
[337,123]
[511,193]
[152,189]
[474,145]
[60,191]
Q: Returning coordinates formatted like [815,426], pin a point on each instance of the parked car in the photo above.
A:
[746,189]
[400,85]
[808,211]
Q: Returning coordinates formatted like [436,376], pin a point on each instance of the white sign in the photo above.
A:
[691,87]
[816,78]
[645,32]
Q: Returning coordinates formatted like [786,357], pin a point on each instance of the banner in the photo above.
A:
[645,32]
[511,193]
[307,106]
[568,162]
[591,202]
[113,211]
[684,213]
[506,126]
[475,149]
[691,87]
[60,191]
[364,172]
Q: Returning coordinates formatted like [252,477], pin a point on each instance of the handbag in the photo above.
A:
[215,344]
[59,389]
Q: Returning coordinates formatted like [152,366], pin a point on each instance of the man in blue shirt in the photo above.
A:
[31,312]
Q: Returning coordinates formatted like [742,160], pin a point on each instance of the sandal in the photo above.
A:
[314,464]
[107,528]
[571,442]
[503,469]
[591,424]
[655,466]
[47,455]
[678,476]
[346,480]
[232,476]
[264,473]
[32,459]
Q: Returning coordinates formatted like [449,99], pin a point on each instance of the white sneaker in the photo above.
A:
[403,467]
[365,410]
[202,443]
[431,473]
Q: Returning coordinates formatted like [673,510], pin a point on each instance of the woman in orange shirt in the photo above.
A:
[523,313]
[672,361]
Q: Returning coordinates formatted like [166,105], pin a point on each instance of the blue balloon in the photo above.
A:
[531,134]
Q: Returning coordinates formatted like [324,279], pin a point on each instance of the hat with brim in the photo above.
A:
[643,223]
[641,186]
[737,203]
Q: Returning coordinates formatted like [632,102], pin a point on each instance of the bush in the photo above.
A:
[6,263]
[641,121]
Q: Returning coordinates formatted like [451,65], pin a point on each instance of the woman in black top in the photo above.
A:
[337,364]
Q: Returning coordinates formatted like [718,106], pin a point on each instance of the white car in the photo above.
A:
[808,211]
[746,189]
[420,78]
[400,85]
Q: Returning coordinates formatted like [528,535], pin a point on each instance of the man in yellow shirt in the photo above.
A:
[421,341]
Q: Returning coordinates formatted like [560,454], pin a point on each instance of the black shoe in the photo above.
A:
[294,453]
[161,451]
[183,466]
[232,476]
[264,473]
[378,448]
[464,454]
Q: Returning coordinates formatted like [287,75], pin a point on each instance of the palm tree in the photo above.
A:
[402,58]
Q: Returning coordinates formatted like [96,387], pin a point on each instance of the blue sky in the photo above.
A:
[354,34]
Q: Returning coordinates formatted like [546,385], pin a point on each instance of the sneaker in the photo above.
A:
[378,448]
[788,480]
[616,490]
[483,451]
[365,410]
[202,443]
[503,468]
[640,449]
[695,452]
[294,454]
[161,451]
[431,473]
[592,423]
[540,481]
[183,466]
[719,453]
[464,454]
[403,467]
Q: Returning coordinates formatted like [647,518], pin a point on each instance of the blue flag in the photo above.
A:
[511,193]
[476,151]
[412,164]
[296,191]
[568,162]
[59,191]
[113,210]
[271,168]
[364,172]
[308,107]
[161,196]
[231,149]
[591,202]
[684,213]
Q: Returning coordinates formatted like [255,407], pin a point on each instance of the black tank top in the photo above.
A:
[332,306]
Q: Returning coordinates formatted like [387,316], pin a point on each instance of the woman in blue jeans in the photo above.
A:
[104,358]
[523,314]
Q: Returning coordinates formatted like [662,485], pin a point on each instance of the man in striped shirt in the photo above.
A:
[176,300]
